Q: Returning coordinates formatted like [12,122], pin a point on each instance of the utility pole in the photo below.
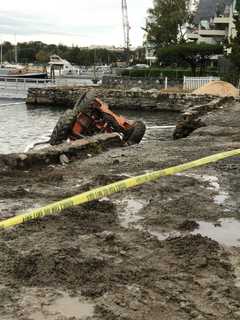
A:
[16,60]
[126,28]
[1,54]
[94,67]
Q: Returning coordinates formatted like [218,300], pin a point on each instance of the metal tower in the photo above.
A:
[126,26]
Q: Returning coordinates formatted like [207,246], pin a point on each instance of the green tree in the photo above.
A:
[8,51]
[237,5]
[234,46]
[42,56]
[166,21]
[30,52]
[139,56]
[195,55]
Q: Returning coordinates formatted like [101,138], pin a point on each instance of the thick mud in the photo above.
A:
[146,253]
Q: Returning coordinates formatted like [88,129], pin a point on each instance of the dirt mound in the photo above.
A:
[218,88]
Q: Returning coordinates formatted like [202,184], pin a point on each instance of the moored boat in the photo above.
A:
[21,72]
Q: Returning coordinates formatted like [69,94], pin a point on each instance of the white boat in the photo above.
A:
[61,66]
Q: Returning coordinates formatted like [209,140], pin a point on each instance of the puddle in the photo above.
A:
[213,181]
[161,133]
[128,214]
[71,307]
[221,195]
[226,232]
[221,198]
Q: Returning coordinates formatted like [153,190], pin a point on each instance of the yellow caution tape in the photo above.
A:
[107,190]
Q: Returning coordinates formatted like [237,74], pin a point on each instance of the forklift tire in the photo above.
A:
[112,122]
[137,133]
[83,104]
[63,127]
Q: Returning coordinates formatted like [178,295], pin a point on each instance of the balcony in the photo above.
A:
[222,20]
[212,33]
[197,38]
[192,36]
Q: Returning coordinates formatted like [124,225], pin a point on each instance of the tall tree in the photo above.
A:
[235,43]
[237,5]
[166,21]
[36,51]
[196,55]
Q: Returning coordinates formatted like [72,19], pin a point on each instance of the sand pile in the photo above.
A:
[218,88]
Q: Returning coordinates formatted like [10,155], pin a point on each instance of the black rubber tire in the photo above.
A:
[137,133]
[112,123]
[83,104]
[63,127]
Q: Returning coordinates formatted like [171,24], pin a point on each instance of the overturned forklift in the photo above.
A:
[92,116]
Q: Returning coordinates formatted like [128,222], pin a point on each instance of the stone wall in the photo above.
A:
[123,82]
[192,120]
[79,149]
[147,100]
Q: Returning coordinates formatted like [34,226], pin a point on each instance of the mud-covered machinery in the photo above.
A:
[91,116]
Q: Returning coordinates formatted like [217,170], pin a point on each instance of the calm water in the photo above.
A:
[21,127]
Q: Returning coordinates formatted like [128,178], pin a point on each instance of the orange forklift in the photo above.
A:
[90,116]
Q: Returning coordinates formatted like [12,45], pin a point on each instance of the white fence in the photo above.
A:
[191,83]
[18,87]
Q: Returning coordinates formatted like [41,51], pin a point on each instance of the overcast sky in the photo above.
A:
[78,22]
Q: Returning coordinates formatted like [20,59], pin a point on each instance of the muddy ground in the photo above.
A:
[139,254]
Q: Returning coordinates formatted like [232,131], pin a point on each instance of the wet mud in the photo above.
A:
[158,251]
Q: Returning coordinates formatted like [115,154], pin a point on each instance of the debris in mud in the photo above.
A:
[210,119]
[64,159]
[106,235]
[186,125]
[188,225]
[104,179]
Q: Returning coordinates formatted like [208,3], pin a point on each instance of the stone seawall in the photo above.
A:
[79,149]
[210,119]
[148,100]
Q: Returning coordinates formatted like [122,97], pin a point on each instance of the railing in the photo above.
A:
[18,87]
[25,83]
[191,83]
[22,84]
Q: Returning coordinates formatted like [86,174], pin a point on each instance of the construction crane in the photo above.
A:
[126,26]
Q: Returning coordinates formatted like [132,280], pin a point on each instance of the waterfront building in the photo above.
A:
[217,28]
